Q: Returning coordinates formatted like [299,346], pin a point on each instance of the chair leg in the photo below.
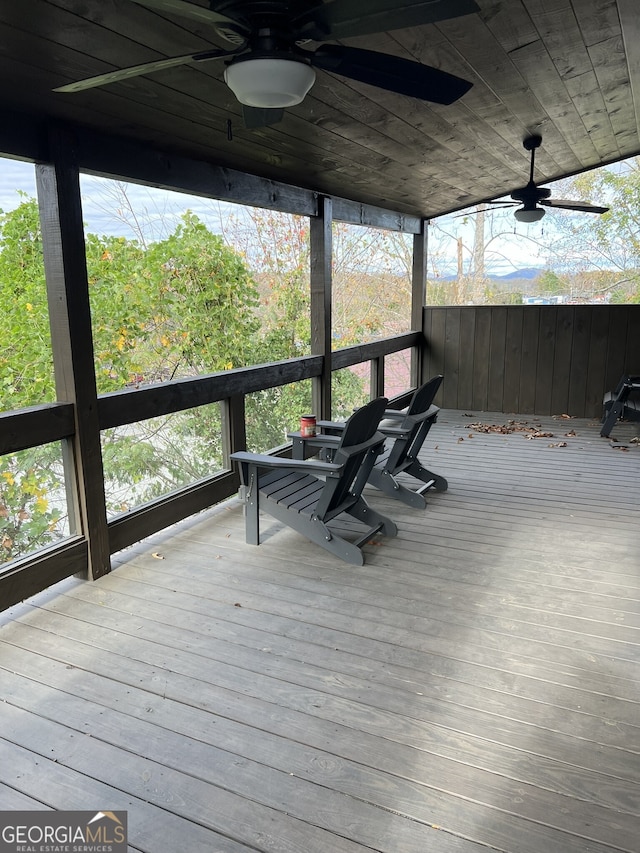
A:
[372,518]
[252,510]
[611,417]
[432,480]
[387,483]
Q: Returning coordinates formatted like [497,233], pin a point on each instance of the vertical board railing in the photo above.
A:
[531,359]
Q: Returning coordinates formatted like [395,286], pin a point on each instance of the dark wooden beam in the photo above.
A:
[418,296]
[35,425]
[321,325]
[139,404]
[25,136]
[234,427]
[71,338]
[32,574]
[367,352]
[146,520]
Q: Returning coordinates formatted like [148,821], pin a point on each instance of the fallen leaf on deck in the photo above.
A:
[620,447]
[157,556]
[460,439]
[571,433]
[559,444]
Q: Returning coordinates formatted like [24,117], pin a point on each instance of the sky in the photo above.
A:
[516,246]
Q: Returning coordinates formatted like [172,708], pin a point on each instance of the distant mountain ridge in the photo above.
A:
[528,273]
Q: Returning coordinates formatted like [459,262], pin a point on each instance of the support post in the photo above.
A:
[377,377]
[58,185]
[321,256]
[418,297]
[234,432]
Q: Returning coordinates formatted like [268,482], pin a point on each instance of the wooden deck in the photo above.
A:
[474,686]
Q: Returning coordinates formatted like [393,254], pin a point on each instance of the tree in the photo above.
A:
[603,252]
[182,306]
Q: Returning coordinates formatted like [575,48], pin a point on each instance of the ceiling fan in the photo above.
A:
[531,196]
[269,69]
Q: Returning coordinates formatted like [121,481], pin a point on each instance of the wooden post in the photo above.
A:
[58,185]
[321,256]
[234,432]
[376,377]
[418,297]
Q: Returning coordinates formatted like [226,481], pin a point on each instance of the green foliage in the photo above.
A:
[182,306]
[27,518]
[26,364]
[549,283]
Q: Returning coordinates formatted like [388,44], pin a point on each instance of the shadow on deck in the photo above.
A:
[474,685]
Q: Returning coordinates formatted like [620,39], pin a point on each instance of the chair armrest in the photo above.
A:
[393,431]
[320,440]
[263,460]
[337,426]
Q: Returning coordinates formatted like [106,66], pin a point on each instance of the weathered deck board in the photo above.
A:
[474,686]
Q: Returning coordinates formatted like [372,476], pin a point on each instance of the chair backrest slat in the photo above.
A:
[359,438]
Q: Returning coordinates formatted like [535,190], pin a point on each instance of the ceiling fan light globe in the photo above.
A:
[525,214]
[269,82]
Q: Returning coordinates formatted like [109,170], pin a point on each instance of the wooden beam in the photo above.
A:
[139,404]
[24,136]
[35,425]
[360,353]
[32,574]
[58,187]
[234,427]
[418,296]
[136,524]
[321,324]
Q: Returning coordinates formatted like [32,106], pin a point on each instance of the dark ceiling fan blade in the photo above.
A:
[566,204]
[139,70]
[345,18]
[187,10]
[392,73]
[255,117]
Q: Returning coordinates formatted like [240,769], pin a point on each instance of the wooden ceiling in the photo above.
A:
[566,69]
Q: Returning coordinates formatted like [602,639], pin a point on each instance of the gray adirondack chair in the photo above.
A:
[308,494]
[405,433]
[622,403]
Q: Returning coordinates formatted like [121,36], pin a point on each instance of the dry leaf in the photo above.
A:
[157,556]
[571,433]
[620,447]
[559,444]
[460,439]
[539,434]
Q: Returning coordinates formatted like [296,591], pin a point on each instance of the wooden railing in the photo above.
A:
[56,422]
[531,359]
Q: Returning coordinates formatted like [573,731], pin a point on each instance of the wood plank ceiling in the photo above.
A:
[567,69]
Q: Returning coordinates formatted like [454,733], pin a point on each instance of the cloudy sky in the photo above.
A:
[110,208]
